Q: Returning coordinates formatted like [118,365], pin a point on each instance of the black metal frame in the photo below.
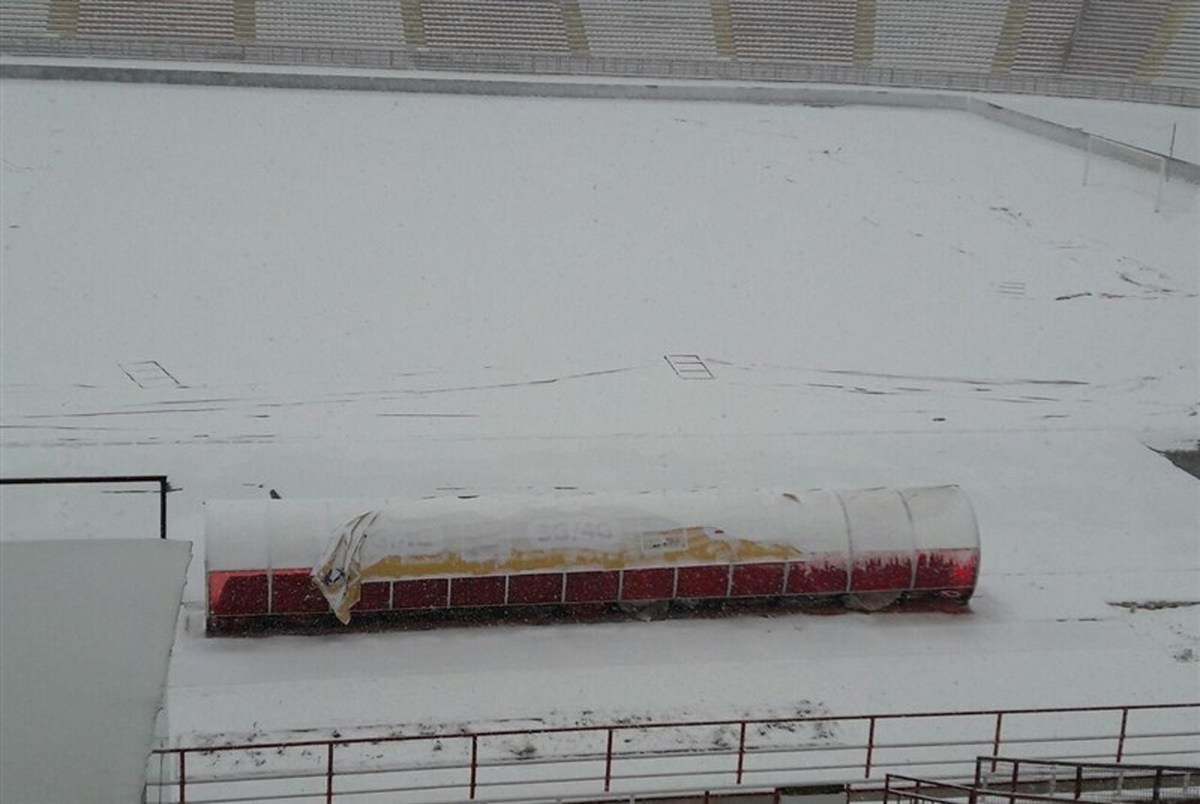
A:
[163,487]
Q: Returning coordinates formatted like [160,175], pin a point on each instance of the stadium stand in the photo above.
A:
[24,17]
[1174,56]
[791,30]
[197,19]
[524,25]
[350,23]
[658,28]
[1042,36]
[943,34]
[1113,36]
[1126,49]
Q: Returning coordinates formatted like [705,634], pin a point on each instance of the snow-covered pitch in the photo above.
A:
[367,295]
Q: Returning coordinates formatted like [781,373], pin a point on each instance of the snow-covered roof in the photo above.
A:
[86,628]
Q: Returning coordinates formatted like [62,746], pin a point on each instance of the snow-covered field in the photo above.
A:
[363,295]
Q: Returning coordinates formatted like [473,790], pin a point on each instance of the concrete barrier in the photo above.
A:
[785,94]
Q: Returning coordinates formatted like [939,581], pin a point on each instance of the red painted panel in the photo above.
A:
[703,582]
[426,593]
[757,580]
[593,587]
[525,590]
[817,575]
[946,569]
[648,584]
[293,592]
[487,590]
[237,592]
[376,595]
[881,571]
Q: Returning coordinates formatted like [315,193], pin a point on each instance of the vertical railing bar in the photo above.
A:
[870,748]
[474,761]
[1121,738]
[996,739]
[608,762]
[1078,782]
[741,752]
[163,487]
[1158,774]
[182,777]
[329,773]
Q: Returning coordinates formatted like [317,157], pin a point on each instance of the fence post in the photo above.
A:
[329,773]
[163,488]
[474,761]
[182,777]
[1158,774]
[996,739]
[608,761]
[1121,736]
[870,748]
[741,752]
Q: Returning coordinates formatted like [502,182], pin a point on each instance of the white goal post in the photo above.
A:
[1153,163]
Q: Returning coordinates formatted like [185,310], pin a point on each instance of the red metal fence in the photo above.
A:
[558,764]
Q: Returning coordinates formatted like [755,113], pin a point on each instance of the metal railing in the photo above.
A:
[900,789]
[1094,781]
[558,763]
[1059,84]
[164,486]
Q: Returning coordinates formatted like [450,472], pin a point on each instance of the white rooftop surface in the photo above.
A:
[368,295]
[86,628]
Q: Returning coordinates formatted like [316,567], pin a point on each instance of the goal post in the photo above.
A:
[1112,163]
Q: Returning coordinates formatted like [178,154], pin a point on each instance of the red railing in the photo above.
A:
[562,763]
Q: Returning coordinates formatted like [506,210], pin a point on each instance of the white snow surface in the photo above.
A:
[367,295]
